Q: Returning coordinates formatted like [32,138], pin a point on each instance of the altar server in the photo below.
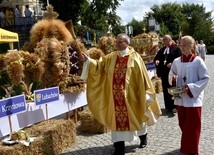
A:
[190,72]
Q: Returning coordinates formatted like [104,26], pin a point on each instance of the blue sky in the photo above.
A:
[130,9]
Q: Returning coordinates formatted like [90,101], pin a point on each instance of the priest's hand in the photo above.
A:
[84,57]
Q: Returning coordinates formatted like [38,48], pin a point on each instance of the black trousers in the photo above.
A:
[168,101]
[120,146]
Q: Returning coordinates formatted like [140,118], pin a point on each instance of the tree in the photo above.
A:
[118,29]
[96,14]
[191,19]
[197,22]
[100,14]
[164,29]
[67,9]
[168,14]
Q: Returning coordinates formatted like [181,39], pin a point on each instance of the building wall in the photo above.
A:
[34,5]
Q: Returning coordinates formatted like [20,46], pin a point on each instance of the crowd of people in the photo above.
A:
[121,96]
[10,16]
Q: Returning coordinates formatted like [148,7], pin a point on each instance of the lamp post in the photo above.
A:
[152,24]
[190,30]
[157,28]
[129,30]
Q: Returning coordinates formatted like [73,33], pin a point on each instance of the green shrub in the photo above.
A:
[210,49]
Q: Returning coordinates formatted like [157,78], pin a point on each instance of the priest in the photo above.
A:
[120,94]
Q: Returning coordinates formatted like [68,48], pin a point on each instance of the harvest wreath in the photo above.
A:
[50,58]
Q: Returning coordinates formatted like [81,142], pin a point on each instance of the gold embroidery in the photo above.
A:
[121,113]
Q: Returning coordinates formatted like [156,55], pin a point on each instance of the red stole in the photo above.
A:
[121,113]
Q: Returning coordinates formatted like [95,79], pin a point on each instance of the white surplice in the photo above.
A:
[197,77]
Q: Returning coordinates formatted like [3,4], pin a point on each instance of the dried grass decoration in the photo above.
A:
[107,44]
[2,63]
[52,137]
[14,67]
[89,124]
[157,84]
[33,71]
[75,57]
[5,82]
[95,53]
[23,69]
[48,27]
[33,67]
[49,38]
[54,54]
[73,83]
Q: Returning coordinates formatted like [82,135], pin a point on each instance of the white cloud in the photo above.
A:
[136,9]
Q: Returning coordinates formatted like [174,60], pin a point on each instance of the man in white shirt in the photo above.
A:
[18,15]
[203,50]
[28,15]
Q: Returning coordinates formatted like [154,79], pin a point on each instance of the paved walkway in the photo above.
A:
[163,137]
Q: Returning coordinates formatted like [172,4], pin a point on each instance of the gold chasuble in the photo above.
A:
[116,92]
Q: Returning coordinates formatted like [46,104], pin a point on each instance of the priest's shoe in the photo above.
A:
[119,148]
[143,141]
